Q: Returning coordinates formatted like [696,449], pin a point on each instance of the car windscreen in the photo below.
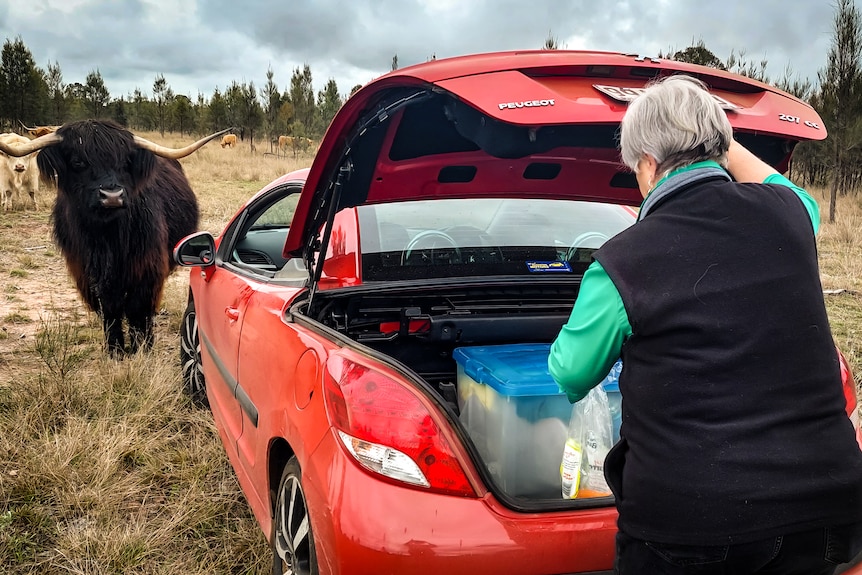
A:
[484,237]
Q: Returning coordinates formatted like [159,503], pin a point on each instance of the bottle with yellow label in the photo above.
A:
[570,468]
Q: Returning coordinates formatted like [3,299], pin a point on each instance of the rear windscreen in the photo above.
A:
[484,236]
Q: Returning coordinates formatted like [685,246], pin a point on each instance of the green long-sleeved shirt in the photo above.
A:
[591,341]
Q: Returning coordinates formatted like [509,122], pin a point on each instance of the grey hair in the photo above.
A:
[676,121]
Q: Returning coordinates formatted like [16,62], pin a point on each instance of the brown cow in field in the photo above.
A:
[38,131]
[296,144]
[122,205]
[18,176]
[228,140]
[284,142]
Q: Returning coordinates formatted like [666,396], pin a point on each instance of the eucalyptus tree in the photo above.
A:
[23,89]
[840,94]
[95,93]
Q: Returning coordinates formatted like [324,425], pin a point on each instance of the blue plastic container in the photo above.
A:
[516,415]
[519,372]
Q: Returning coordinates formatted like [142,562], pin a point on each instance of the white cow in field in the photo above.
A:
[18,176]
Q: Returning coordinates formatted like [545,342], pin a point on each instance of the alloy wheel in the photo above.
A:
[194,383]
[292,542]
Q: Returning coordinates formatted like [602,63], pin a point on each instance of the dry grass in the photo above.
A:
[840,250]
[105,468]
[225,178]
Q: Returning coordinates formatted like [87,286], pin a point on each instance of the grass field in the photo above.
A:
[104,466]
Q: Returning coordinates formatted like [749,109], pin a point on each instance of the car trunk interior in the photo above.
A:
[422,328]
[442,147]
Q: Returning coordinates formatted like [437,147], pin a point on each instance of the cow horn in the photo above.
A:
[16,151]
[175,153]
[23,125]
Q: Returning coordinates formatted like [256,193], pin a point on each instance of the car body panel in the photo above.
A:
[220,334]
[370,528]
[342,266]
[282,390]
[581,100]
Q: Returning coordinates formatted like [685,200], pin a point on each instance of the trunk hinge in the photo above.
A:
[315,264]
[332,198]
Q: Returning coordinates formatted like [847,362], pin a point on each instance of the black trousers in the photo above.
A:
[813,552]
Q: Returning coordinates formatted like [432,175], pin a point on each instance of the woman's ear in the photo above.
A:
[647,173]
[651,165]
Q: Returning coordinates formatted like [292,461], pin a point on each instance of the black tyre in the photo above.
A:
[292,544]
[194,384]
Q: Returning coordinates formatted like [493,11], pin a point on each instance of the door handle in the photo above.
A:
[232,313]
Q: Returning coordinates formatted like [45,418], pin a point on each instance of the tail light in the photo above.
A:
[850,395]
[390,430]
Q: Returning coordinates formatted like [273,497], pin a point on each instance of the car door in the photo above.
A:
[249,256]
[222,301]
[255,256]
[280,366]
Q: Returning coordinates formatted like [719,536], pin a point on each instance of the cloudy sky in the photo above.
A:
[199,45]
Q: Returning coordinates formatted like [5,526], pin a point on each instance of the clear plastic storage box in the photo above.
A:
[516,415]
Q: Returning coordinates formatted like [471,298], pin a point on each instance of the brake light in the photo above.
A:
[389,429]
[849,385]
[851,404]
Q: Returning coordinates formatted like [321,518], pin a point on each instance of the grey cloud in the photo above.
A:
[367,34]
[354,41]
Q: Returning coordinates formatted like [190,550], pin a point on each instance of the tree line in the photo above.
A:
[32,95]
[836,95]
[37,96]
[835,163]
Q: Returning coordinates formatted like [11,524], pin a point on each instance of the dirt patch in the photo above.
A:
[35,287]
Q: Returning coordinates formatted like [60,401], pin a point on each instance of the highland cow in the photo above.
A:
[123,202]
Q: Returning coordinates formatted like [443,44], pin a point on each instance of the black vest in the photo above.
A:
[734,425]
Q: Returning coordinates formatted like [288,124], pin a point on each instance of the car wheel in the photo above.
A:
[292,541]
[194,384]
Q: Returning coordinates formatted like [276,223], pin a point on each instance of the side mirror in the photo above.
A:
[197,249]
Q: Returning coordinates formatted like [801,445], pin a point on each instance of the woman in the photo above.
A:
[736,455]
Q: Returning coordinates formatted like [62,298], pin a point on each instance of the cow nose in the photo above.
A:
[19,167]
[112,198]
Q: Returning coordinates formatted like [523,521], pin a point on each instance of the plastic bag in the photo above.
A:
[587,444]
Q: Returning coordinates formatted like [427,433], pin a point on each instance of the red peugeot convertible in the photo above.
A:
[371,333]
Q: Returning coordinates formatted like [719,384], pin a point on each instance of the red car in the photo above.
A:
[449,213]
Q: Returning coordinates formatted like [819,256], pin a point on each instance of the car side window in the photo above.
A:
[258,243]
[278,214]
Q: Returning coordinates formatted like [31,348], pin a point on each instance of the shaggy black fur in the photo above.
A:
[120,211]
